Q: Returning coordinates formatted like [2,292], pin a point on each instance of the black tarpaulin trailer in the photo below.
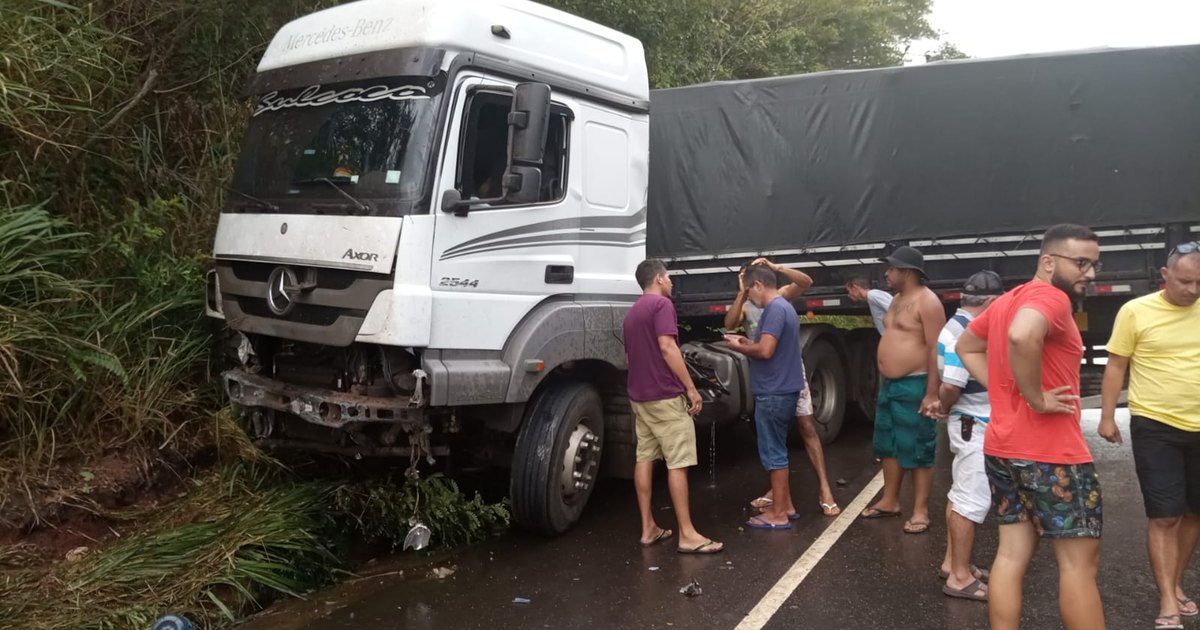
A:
[968,160]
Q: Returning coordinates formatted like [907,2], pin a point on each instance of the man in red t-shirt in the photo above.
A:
[1026,349]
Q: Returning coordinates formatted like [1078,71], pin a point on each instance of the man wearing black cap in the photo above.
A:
[907,409]
[966,402]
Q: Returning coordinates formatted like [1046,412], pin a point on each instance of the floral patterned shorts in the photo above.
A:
[1062,500]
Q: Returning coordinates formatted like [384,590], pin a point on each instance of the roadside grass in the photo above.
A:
[243,536]
[239,537]
[89,366]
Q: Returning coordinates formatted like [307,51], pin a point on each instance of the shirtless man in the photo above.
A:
[905,427]
[743,312]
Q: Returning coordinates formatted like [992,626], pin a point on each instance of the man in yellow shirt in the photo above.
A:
[1159,335]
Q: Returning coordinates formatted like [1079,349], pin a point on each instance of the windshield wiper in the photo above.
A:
[266,205]
[362,207]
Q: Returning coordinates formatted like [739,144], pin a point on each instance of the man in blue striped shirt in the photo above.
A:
[966,400]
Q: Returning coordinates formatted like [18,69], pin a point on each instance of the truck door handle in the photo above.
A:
[560,274]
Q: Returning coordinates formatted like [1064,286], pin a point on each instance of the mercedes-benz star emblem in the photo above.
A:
[280,289]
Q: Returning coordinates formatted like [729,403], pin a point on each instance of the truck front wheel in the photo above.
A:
[557,457]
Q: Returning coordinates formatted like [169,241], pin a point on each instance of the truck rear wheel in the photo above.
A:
[557,457]
[827,384]
[866,387]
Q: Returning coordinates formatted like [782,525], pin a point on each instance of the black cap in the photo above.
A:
[907,258]
[984,284]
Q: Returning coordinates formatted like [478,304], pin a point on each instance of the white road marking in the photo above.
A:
[770,603]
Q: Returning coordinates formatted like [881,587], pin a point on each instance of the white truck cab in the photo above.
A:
[429,248]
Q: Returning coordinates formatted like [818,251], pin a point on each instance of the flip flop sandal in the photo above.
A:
[980,574]
[704,549]
[828,509]
[757,522]
[915,528]
[762,502]
[1184,601]
[878,513]
[970,591]
[663,534]
[1168,622]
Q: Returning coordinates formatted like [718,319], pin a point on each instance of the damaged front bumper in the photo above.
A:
[322,407]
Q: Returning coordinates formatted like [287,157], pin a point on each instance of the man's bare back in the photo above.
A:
[902,349]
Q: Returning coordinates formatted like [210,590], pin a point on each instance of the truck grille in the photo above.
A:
[330,313]
[303,313]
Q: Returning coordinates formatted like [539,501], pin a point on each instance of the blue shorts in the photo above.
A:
[773,416]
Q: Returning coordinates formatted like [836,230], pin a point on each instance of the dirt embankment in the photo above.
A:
[81,505]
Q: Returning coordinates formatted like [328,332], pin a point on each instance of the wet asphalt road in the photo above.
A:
[596,575]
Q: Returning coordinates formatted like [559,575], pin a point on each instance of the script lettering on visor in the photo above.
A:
[313,97]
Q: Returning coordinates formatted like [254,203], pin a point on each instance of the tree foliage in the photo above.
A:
[945,52]
[694,41]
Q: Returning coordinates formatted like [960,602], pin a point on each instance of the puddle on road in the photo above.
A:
[386,574]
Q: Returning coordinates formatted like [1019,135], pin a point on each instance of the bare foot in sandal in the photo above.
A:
[1187,607]
[763,502]
[916,527]
[974,590]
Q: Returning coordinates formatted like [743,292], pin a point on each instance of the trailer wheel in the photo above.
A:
[557,457]
[862,352]
[827,384]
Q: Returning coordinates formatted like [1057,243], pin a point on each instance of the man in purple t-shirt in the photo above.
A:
[664,399]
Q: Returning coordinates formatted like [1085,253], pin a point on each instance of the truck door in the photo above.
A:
[493,265]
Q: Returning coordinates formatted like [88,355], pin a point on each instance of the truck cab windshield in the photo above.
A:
[366,145]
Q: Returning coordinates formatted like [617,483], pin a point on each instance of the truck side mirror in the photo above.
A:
[528,123]
[523,184]
[452,201]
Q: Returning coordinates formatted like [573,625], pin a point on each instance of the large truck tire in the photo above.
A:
[557,457]
[827,384]
[862,360]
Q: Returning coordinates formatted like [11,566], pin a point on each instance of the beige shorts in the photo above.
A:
[665,431]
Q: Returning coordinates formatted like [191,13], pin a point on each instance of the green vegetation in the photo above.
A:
[240,538]
[119,127]
[695,41]
[385,511]
[237,537]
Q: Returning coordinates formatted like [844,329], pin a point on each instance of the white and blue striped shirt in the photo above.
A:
[974,399]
